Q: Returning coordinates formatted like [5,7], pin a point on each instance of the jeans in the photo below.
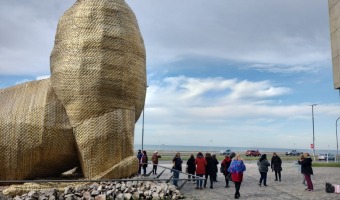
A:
[154,169]
[144,170]
[264,178]
[309,181]
[176,176]
[199,182]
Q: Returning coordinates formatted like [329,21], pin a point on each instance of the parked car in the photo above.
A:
[226,152]
[253,153]
[323,156]
[293,153]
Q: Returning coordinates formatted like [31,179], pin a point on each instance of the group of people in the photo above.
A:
[232,168]
[305,162]
[201,167]
[143,161]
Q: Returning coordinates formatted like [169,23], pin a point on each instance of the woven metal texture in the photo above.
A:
[85,114]
[34,141]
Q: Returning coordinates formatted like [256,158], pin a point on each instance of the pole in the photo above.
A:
[328,154]
[143,123]
[313,130]
[143,131]
[336,134]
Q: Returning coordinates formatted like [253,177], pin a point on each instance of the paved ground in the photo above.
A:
[289,188]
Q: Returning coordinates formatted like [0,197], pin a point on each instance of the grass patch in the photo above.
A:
[324,164]
[185,157]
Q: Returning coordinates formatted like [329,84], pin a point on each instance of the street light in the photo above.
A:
[143,124]
[336,134]
[143,131]
[313,130]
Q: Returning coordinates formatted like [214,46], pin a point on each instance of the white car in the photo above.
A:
[323,156]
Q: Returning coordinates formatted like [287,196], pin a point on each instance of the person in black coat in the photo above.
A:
[275,164]
[177,166]
[191,167]
[215,161]
[306,169]
[210,170]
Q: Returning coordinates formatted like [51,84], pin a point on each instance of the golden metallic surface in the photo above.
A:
[85,114]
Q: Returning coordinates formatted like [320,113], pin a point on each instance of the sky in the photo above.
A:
[220,73]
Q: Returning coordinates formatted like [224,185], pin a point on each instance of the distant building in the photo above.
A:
[334,21]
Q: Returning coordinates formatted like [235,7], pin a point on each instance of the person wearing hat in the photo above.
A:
[154,158]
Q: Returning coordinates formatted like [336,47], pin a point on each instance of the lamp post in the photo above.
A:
[313,130]
[143,123]
[143,131]
[336,134]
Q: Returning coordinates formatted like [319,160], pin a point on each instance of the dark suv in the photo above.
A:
[253,153]
[226,152]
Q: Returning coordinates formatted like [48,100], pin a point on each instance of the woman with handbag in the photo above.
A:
[236,169]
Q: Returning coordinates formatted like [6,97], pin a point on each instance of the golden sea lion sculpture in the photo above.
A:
[85,114]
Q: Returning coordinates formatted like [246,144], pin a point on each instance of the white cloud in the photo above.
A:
[43,77]
[203,109]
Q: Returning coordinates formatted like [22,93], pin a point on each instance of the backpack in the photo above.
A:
[329,188]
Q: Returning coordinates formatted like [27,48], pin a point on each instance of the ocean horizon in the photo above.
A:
[214,149]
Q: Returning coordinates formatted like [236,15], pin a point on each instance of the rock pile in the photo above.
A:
[108,191]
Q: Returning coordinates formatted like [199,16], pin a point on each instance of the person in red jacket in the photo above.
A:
[236,169]
[200,169]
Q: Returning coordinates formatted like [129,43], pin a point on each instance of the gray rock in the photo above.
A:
[100,197]
[67,190]
[100,188]
[135,195]
[109,193]
[129,184]
[52,197]
[87,195]
[95,193]
[33,194]
[120,197]
[42,197]
[69,195]
[127,196]
[155,196]
[174,196]
[94,186]
[61,197]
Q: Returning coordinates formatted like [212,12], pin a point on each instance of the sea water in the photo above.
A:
[214,149]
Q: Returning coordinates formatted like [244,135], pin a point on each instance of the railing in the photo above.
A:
[142,178]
